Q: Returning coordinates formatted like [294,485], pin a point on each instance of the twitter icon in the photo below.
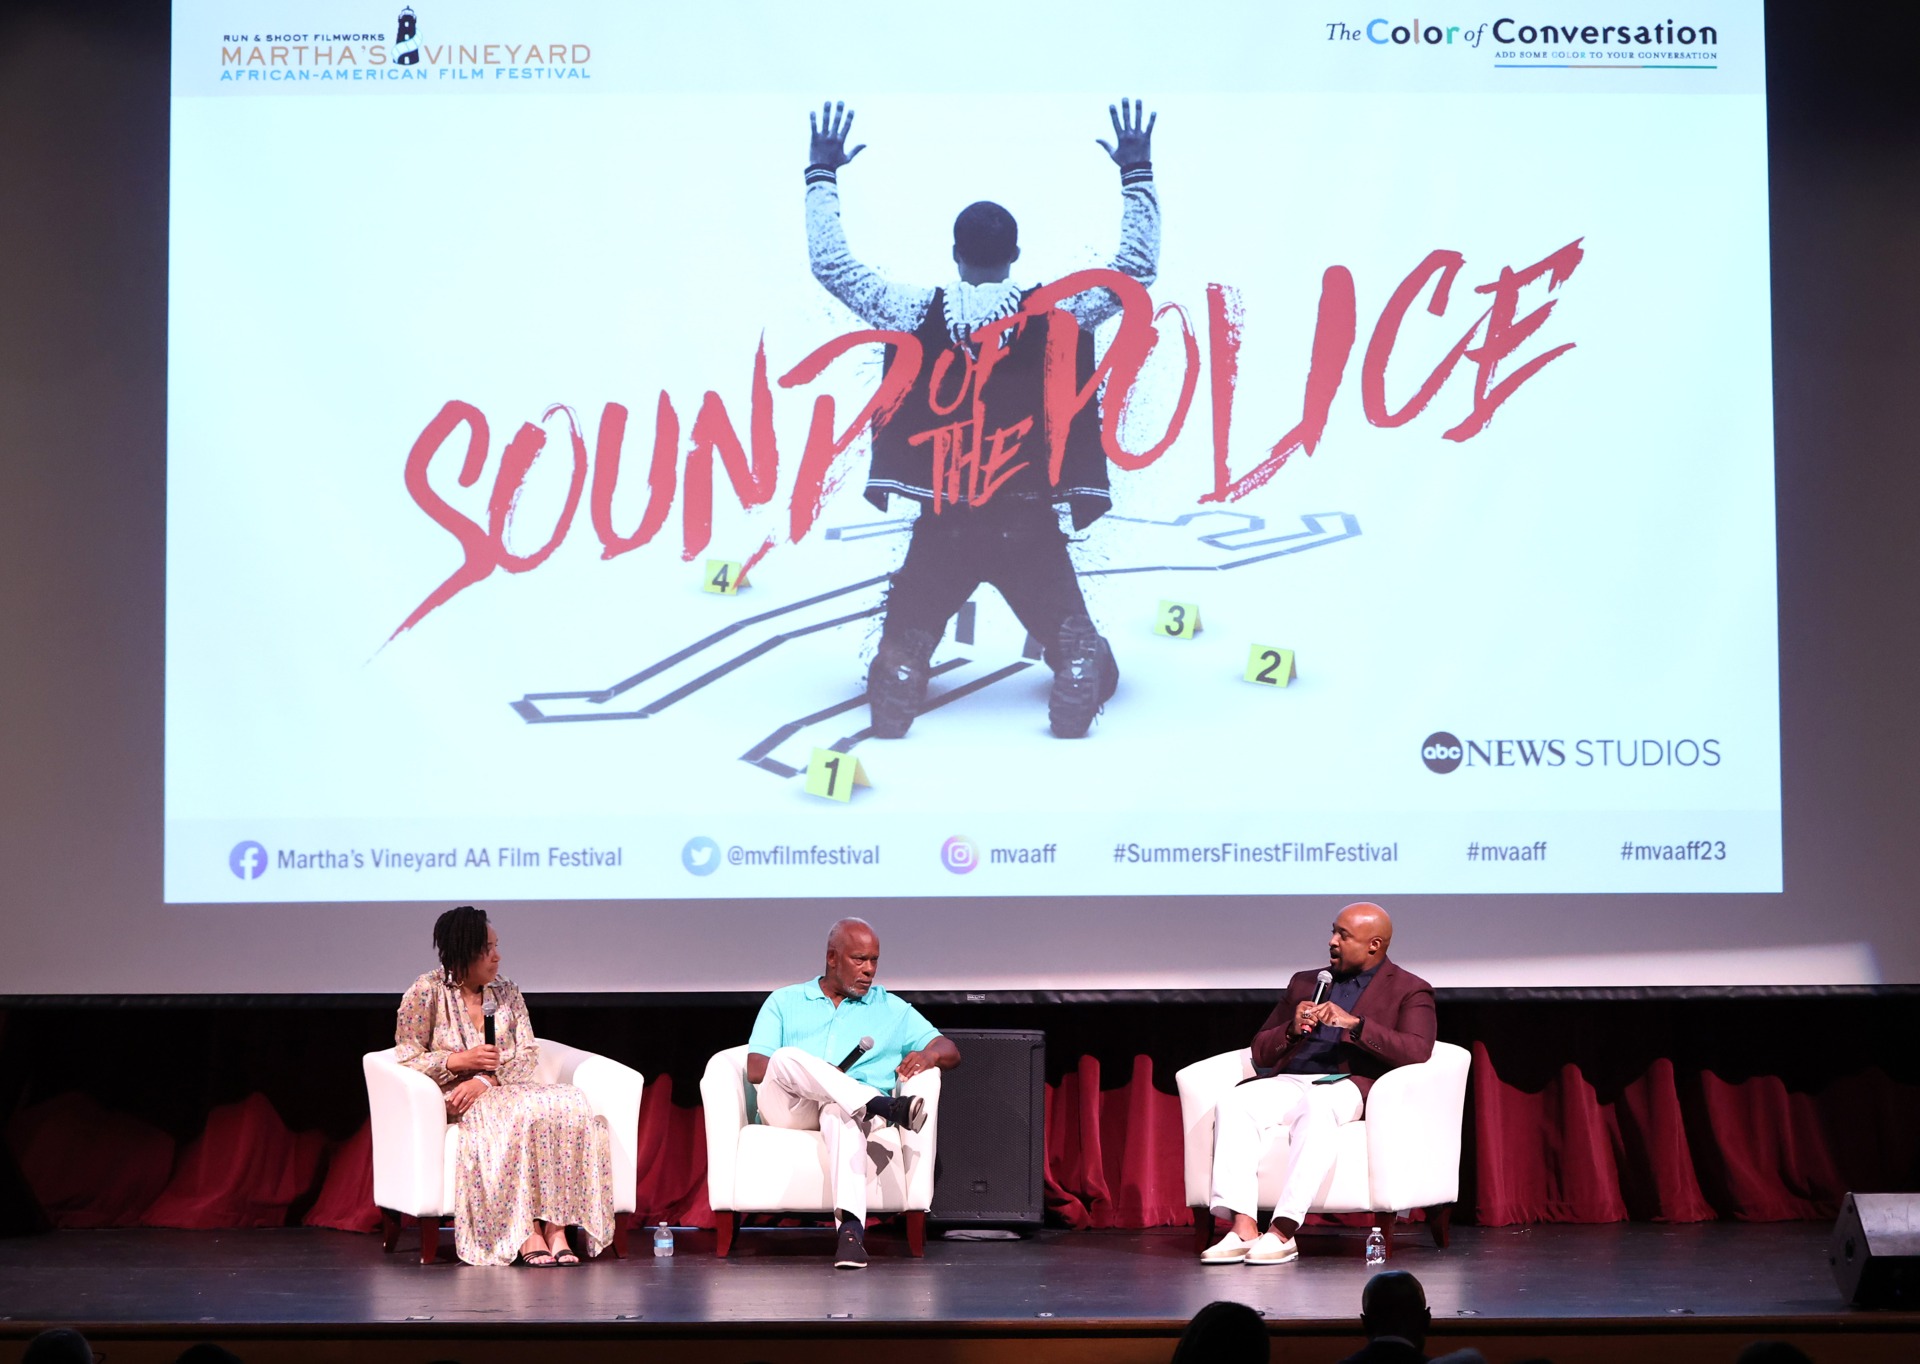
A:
[701,856]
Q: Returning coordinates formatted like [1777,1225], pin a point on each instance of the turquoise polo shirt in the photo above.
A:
[802,1016]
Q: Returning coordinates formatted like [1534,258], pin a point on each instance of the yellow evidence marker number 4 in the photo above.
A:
[1177,620]
[723,576]
[834,775]
[1269,666]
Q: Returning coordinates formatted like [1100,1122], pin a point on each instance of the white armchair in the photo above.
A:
[755,1168]
[414,1145]
[1403,1154]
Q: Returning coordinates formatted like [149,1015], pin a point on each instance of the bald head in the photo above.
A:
[1394,1304]
[1367,919]
[838,934]
[853,956]
[1361,934]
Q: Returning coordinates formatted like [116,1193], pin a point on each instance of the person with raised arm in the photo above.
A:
[533,1159]
[1329,1038]
[975,457]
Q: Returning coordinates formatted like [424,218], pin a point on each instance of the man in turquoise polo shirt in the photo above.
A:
[802,1037]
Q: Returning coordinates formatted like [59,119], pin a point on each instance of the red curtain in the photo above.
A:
[1113,1156]
[672,1184]
[346,1198]
[90,1166]
[1668,1144]
[245,1170]
[1683,1146]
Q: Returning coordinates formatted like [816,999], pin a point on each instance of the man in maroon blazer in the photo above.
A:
[1316,1056]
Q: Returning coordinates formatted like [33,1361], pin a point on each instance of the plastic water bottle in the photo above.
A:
[662,1241]
[1376,1249]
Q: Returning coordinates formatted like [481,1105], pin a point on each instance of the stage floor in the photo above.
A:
[1515,1292]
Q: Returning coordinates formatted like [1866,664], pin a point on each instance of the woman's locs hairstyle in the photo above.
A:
[459,936]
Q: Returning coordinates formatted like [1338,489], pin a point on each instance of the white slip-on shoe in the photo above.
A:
[1228,1250]
[1273,1249]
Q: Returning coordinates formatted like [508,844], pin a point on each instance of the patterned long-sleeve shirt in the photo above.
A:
[880,302]
[433,1023]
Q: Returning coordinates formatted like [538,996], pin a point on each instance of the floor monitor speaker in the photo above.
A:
[1875,1251]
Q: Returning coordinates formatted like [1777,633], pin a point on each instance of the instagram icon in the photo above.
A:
[959,855]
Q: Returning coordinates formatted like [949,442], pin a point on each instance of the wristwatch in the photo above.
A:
[1353,1033]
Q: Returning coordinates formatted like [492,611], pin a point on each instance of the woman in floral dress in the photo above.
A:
[533,1159]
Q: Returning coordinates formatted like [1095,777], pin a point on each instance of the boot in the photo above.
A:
[897,682]
[1084,677]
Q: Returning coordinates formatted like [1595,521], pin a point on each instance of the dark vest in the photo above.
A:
[963,461]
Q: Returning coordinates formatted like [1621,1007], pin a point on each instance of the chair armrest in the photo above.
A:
[920,1149]
[409,1136]
[558,1061]
[1413,1131]
[613,1091]
[1201,1087]
[723,1097]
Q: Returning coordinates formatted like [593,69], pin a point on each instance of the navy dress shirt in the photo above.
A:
[1315,1056]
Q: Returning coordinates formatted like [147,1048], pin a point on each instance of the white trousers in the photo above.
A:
[1248,1119]
[803,1092]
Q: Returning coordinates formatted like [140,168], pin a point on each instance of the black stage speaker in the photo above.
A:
[1875,1251]
[991,1153]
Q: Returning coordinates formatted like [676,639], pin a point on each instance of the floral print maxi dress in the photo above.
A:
[527,1151]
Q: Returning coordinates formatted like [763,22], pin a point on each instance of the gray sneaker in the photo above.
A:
[898,1110]
[910,1112]
[851,1252]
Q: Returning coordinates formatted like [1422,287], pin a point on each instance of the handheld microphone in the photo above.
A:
[487,1009]
[852,1058]
[1323,980]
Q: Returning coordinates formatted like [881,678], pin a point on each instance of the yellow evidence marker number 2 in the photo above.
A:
[723,576]
[1177,620]
[834,775]
[1269,666]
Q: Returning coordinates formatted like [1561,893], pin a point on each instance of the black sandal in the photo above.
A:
[565,1258]
[536,1259]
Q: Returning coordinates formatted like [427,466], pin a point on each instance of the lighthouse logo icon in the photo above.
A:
[406,48]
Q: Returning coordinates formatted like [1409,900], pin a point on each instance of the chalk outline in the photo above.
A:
[1315,534]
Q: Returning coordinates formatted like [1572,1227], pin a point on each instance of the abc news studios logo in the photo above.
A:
[1443,753]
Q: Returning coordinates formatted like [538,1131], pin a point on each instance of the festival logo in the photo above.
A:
[406,47]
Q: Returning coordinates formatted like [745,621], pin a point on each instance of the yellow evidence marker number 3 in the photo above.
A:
[1270,667]
[1177,620]
[723,576]
[834,775]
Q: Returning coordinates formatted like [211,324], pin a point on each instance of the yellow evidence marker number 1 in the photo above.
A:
[723,576]
[834,775]
[1270,667]
[1177,620]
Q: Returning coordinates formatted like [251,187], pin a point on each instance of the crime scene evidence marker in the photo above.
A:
[1177,620]
[1270,666]
[723,576]
[834,775]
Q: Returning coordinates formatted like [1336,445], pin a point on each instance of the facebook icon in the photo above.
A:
[248,861]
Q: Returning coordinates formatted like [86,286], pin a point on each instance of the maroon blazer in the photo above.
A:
[1396,1026]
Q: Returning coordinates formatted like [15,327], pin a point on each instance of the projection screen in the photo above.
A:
[1347,471]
